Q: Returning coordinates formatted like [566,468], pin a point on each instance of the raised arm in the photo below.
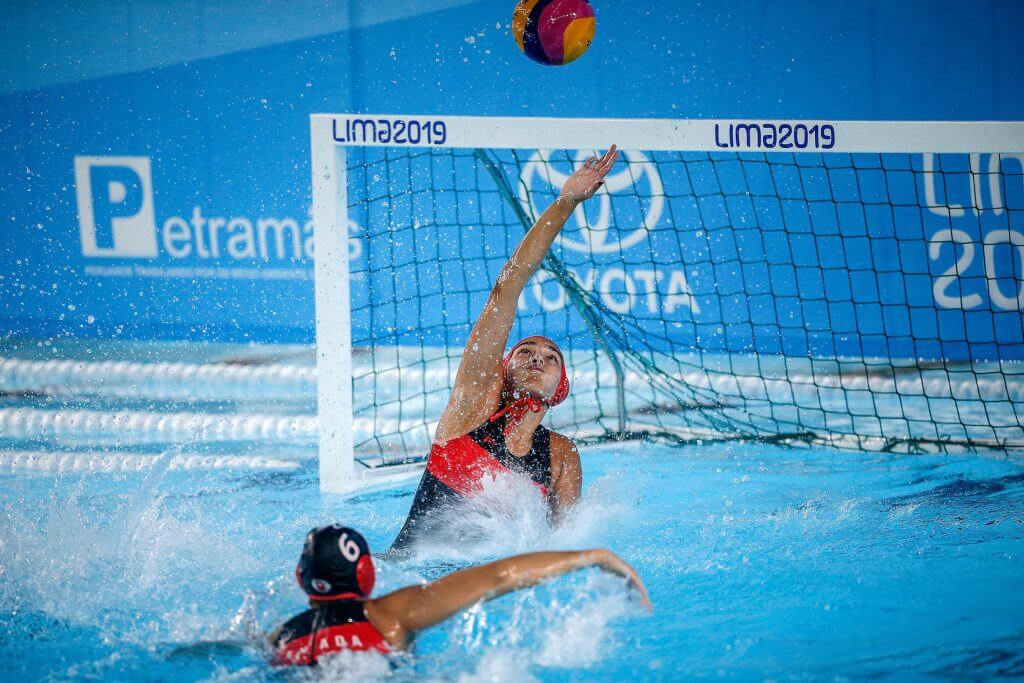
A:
[401,614]
[478,383]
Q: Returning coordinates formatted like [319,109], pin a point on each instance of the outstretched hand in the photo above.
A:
[611,562]
[585,181]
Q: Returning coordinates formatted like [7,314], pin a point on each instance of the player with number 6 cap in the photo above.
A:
[492,423]
[336,571]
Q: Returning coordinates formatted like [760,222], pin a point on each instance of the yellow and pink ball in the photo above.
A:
[553,32]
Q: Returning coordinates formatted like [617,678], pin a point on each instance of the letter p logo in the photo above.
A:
[115,206]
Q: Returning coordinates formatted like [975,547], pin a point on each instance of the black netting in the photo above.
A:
[869,301]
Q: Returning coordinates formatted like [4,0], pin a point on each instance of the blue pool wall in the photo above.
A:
[216,101]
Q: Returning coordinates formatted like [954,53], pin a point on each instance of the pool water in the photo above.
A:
[762,562]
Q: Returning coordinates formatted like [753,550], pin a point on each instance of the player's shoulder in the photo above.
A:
[563,445]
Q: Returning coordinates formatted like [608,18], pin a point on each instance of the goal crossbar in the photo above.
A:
[683,135]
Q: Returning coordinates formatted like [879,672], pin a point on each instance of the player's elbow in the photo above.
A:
[506,579]
[504,576]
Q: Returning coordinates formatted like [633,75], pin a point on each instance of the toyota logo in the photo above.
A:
[593,234]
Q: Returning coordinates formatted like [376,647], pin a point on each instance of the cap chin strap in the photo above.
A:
[517,410]
[339,596]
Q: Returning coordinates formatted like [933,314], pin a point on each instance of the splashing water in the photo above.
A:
[569,624]
[508,516]
[562,625]
[69,557]
[100,564]
[580,635]
[761,561]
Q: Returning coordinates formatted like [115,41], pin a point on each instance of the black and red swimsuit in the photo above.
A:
[456,470]
[328,628]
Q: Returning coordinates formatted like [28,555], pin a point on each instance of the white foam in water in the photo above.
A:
[76,565]
[346,667]
[565,624]
[509,516]
[248,673]
[579,635]
[558,627]
[499,664]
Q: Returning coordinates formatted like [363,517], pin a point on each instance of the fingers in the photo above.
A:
[639,586]
[607,160]
[611,154]
[604,163]
[635,582]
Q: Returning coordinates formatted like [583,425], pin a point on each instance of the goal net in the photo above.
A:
[847,284]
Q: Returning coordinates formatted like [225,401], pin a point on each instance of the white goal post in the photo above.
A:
[331,134]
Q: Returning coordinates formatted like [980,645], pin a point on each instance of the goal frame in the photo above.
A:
[330,134]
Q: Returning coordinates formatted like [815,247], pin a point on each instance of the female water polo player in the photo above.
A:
[492,423]
[336,572]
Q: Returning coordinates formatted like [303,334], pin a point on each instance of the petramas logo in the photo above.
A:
[115,207]
[116,219]
[640,201]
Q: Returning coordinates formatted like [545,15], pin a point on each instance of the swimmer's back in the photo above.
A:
[327,629]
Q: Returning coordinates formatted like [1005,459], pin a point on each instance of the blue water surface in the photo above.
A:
[762,562]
